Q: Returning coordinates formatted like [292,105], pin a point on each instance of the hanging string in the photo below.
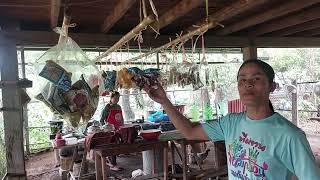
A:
[100,65]
[117,59]
[154,10]
[203,50]
[129,62]
[207,10]
[110,60]
[195,44]
[121,59]
[192,50]
[140,10]
[184,57]
[144,9]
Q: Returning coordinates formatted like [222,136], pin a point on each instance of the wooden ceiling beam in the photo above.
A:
[118,11]
[297,28]
[276,12]
[235,8]
[231,10]
[54,13]
[45,39]
[179,10]
[42,38]
[286,42]
[309,33]
[300,17]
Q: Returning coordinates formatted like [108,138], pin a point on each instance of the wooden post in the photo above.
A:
[12,112]
[249,53]
[295,104]
[25,107]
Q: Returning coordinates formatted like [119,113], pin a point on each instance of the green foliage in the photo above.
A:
[207,112]
[300,64]
[194,113]
[39,137]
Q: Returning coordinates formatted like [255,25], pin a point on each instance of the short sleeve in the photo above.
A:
[299,159]
[215,129]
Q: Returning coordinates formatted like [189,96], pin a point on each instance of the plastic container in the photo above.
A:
[66,163]
[71,141]
[152,134]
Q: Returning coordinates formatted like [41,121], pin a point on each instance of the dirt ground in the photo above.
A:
[42,165]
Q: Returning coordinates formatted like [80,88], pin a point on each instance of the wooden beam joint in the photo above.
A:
[119,10]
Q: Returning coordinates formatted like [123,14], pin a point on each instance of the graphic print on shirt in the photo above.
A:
[243,154]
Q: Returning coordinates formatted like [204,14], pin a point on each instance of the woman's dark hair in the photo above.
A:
[115,94]
[265,67]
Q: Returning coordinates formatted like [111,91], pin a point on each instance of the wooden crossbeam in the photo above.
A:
[118,11]
[179,10]
[54,12]
[303,16]
[309,33]
[41,38]
[297,28]
[276,12]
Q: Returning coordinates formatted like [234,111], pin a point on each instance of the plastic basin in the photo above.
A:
[152,134]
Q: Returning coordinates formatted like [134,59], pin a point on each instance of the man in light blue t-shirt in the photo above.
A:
[261,149]
[260,143]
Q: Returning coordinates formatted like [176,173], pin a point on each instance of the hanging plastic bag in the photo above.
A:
[69,82]
[109,78]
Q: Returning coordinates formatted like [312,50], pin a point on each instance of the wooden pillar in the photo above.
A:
[295,105]
[249,53]
[25,106]
[12,110]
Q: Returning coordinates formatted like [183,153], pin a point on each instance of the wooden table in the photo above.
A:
[101,152]
[176,137]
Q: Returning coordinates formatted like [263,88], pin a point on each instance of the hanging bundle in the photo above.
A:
[69,80]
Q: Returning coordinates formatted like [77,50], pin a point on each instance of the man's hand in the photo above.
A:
[157,93]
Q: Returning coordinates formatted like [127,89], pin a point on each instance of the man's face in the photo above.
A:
[253,85]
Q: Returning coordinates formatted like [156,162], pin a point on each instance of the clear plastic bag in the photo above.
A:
[68,75]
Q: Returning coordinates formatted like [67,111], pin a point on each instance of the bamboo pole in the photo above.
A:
[183,38]
[146,21]
[65,27]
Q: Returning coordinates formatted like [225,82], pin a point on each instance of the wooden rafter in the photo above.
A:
[54,12]
[179,10]
[309,33]
[297,28]
[300,17]
[42,38]
[276,12]
[118,11]
[232,10]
